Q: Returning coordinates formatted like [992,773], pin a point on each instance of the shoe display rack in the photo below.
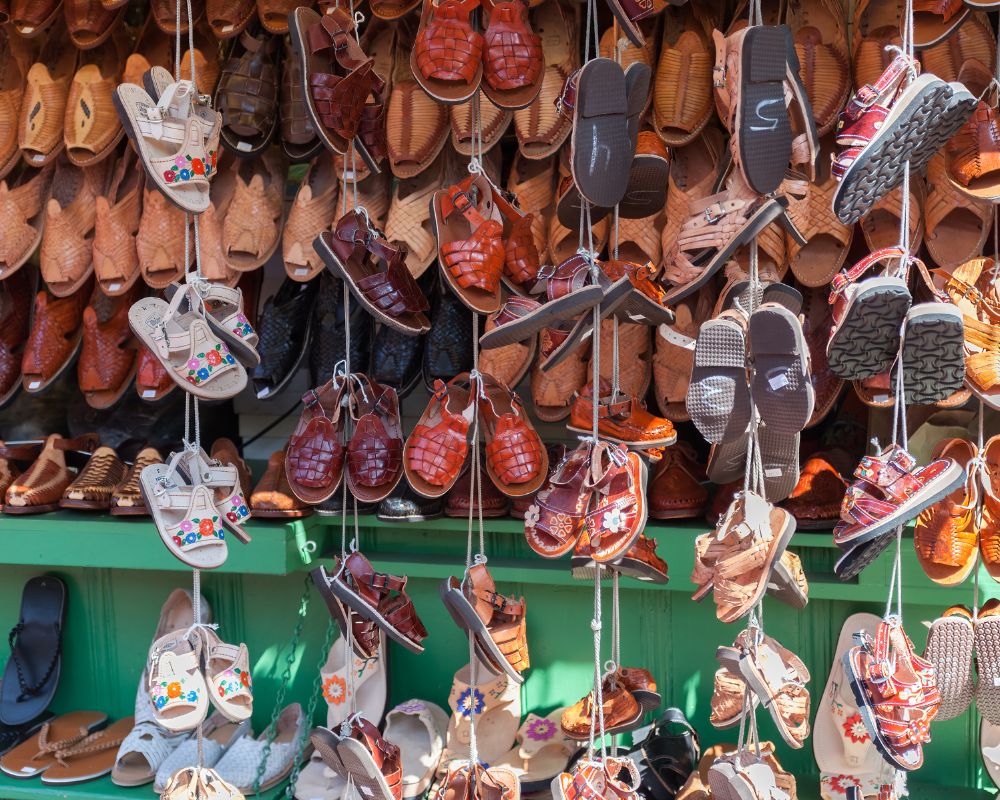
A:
[117,581]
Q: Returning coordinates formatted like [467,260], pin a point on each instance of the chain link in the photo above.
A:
[286,677]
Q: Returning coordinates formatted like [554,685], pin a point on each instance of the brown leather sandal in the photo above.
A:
[956,226]
[40,487]
[118,212]
[416,125]
[161,230]
[819,29]
[91,489]
[22,208]
[513,64]
[314,206]
[108,356]
[247,94]
[91,129]
[126,499]
[532,183]
[55,338]
[228,18]
[410,212]
[682,89]
[447,57]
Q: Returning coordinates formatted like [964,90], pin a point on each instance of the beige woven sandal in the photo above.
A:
[880,226]
[541,129]
[876,27]
[116,262]
[828,240]
[674,356]
[974,40]
[563,243]
[417,126]
[552,391]
[91,128]
[682,88]
[312,211]
[215,267]
[251,231]
[726,705]
[159,243]
[635,370]
[23,197]
[43,104]
[409,218]
[692,175]
[373,196]
[819,29]
[532,182]
[494,122]
[639,239]
[956,226]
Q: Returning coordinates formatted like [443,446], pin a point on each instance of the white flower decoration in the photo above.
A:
[612,521]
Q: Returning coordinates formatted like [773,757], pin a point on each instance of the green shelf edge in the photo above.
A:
[100,789]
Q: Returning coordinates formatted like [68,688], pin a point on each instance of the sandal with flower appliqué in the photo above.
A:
[227,673]
[226,317]
[186,517]
[175,683]
[224,481]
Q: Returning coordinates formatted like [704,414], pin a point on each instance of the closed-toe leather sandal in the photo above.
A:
[552,390]
[23,199]
[251,231]
[43,107]
[40,487]
[621,418]
[410,215]
[495,122]
[972,155]
[55,338]
[298,135]
[955,225]
[92,488]
[151,49]
[375,451]
[228,18]
[196,359]
[416,125]
[15,326]
[126,498]
[272,497]
[152,382]
[974,43]
[108,356]
[12,86]
[314,460]
[682,88]
[375,271]
[285,330]
[247,94]
[532,183]
[692,177]
[674,354]
[555,520]
[621,712]
[92,129]
[513,63]
[989,534]
[435,451]
[118,213]
[815,501]
[30,18]
[447,57]
[66,255]
[675,490]
[164,13]
[635,374]
[541,129]
[876,28]
[161,229]
[337,78]
[880,226]
[819,30]
[206,61]
[314,206]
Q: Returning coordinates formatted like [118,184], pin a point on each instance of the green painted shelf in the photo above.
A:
[102,789]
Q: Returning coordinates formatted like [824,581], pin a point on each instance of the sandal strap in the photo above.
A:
[846,277]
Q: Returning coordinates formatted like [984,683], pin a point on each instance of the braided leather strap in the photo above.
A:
[447,48]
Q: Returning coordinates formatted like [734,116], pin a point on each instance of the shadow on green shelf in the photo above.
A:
[104,789]
[77,539]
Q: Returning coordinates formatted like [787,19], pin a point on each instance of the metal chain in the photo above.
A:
[331,629]
[286,677]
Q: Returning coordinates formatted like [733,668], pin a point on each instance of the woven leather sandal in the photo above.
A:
[40,487]
[516,460]
[314,459]
[161,229]
[55,338]
[956,226]
[875,29]
[934,21]
[682,88]
[552,390]
[227,18]
[819,30]
[108,356]
[447,57]
[91,128]
[247,94]
[43,106]
[126,498]
[375,452]
[314,206]
[510,363]
[540,128]
[23,200]
[118,212]
[251,231]
[513,63]
[410,216]
[495,122]
[435,450]
[880,226]
[91,489]
[469,234]
[375,271]
[298,135]
[416,125]
[19,57]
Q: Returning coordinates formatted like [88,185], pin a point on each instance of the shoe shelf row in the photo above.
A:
[118,575]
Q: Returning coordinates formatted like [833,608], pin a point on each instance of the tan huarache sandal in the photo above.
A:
[956,226]
[313,208]
[116,260]
[43,106]
[682,88]
[495,122]
[91,128]
[23,197]
[417,126]
[875,29]
[819,29]
[692,178]
[880,226]
[410,215]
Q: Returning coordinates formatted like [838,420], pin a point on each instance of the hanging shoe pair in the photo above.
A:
[185,672]
[627,694]
[364,756]
[193,500]
[317,451]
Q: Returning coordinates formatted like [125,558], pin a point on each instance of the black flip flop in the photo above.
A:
[12,735]
[32,673]
[600,146]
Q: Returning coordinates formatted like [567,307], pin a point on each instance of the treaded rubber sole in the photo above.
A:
[764,132]
[988,667]
[933,354]
[718,397]
[867,341]
[949,649]
[935,115]
[780,383]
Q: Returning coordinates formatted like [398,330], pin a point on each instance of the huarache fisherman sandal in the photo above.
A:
[934,21]
[126,499]
[40,487]
[436,449]
[516,460]
[896,693]
[375,271]
[888,491]
[247,93]
[682,87]
[92,487]
[513,62]
[621,711]
[374,455]
[447,56]
[956,225]
[891,123]
[338,80]
[314,460]
[972,155]
[194,357]
[496,621]
[376,596]
[819,30]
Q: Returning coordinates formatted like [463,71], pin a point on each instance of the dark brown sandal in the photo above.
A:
[247,95]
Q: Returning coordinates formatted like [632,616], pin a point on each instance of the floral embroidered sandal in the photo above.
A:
[171,141]
[225,316]
[227,672]
[176,685]
[186,517]
[224,481]
[194,357]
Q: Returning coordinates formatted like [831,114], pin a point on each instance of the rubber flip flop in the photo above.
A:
[32,673]
[780,384]
[718,397]
[601,153]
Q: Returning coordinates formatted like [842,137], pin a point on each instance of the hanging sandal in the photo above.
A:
[227,675]
[186,517]
[516,460]
[435,450]
[541,751]
[950,645]
[375,451]
[376,596]
[227,488]
[555,520]
[314,460]
[226,317]
[176,685]
[371,762]
[197,361]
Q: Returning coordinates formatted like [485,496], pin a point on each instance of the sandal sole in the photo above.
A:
[950,645]
[780,384]
[468,620]
[611,301]
[718,397]
[867,340]
[601,116]
[548,315]
[988,667]
[764,141]
[933,353]
[908,136]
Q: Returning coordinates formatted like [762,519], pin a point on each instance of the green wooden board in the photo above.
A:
[118,575]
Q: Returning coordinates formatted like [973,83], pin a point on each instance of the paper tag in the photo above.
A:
[38,158]
[244,147]
[773,472]
[301,271]
[996,681]
[779,381]
[880,398]
[114,287]
[34,385]
[228,28]
[148,393]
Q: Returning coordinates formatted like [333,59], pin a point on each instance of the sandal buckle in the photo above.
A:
[710,217]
